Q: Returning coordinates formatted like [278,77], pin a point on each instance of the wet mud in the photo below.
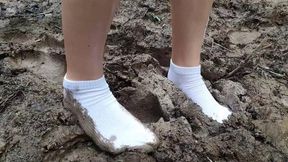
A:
[245,66]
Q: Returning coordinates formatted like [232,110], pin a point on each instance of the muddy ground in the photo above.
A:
[245,64]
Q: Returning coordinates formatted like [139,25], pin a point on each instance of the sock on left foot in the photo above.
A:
[104,119]
[190,81]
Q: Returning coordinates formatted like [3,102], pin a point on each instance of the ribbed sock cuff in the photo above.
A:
[85,84]
[185,70]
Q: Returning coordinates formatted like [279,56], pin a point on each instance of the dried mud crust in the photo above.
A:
[244,63]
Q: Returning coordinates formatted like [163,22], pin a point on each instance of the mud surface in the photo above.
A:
[244,62]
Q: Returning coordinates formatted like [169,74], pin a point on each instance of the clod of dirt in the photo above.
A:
[81,152]
[277,2]
[233,94]
[276,132]
[285,101]
[241,37]
[60,137]
[4,23]
[211,72]
[160,87]
[242,145]
[2,145]
[171,133]
[134,157]
[145,74]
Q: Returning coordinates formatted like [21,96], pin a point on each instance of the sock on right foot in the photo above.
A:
[190,81]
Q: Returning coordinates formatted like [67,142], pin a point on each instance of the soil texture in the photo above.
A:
[245,65]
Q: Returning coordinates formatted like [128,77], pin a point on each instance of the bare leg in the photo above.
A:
[189,20]
[85,26]
[86,92]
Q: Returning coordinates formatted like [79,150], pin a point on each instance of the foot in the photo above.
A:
[190,81]
[108,123]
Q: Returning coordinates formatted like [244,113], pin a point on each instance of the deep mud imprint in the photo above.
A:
[244,63]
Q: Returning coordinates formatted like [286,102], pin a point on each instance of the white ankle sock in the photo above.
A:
[190,81]
[112,121]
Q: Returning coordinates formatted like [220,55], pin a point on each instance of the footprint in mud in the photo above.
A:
[141,103]
[36,51]
[49,66]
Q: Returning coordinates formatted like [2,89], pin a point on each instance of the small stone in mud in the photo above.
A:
[240,37]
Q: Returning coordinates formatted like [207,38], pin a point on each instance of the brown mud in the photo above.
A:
[245,64]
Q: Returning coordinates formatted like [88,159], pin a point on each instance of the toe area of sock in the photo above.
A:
[223,114]
[142,146]
[219,113]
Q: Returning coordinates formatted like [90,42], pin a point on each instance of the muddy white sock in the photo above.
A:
[112,121]
[190,81]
